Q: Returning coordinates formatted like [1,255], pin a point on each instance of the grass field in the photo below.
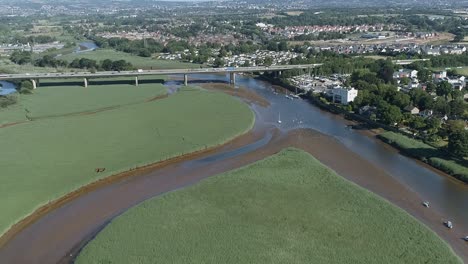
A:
[137,61]
[462,70]
[433,156]
[45,159]
[288,208]
[57,99]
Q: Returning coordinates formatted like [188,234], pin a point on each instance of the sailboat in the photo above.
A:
[279,118]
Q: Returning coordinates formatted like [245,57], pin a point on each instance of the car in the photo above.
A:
[426,204]
[448,224]
[466,238]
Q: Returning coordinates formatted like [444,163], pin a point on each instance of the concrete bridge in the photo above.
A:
[36,77]
[407,62]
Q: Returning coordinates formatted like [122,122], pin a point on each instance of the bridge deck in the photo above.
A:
[103,74]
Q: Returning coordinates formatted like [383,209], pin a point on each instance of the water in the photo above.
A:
[445,195]
[88,46]
[7,88]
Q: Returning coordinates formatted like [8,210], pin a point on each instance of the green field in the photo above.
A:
[45,159]
[463,70]
[54,99]
[137,61]
[288,208]
[433,156]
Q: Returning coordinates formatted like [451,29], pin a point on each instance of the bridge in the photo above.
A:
[35,77]
[407,62]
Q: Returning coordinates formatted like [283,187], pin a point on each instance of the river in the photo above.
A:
[7,88]
[52,237]
[446,195]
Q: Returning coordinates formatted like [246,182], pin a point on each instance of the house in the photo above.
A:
[405,73]
[344,95]
[412,109]
[367,110]
[426,113]
[432,51]
[457,83]
[439,75]
[413,85]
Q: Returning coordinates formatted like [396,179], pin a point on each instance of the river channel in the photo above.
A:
[80,218]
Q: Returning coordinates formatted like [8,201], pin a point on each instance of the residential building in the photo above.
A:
[344,95]
[412,109]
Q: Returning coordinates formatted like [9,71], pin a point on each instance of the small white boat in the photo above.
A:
[279,118]
[287,96]
[295,96]
[448,224]
[426,204]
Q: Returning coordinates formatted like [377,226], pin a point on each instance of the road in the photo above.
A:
[136,73]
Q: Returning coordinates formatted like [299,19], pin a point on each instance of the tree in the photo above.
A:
[444,88]
[458,143]
[106,65]
[390,114]
[219,62]
[417,123]
[268,61]
[441,106]
[386,70]
[26,87]
[457,107]
[21,57]
[421,99]
[456,94]
[401,100]
[405,80]
[432,125]
[431,87]
[424,75]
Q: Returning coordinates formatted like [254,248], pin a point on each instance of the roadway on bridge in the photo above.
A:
[136,73]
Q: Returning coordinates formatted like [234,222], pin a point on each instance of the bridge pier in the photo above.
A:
[232,79]
[185,79]
[34,83]
[136,80]
[85,80]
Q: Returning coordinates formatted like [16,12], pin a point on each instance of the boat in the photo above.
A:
[295,96]
[448,224]
[279,118]
[426,204]
[466,238]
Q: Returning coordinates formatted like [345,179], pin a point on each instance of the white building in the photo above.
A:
[405,73]
[344,95]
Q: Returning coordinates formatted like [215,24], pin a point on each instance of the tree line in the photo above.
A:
[25,57]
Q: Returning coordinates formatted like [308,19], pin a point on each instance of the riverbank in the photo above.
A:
[438,159]
[427,154]
[234,218]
